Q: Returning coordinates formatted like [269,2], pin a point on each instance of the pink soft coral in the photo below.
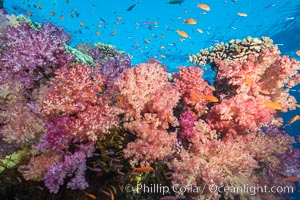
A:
[240,114]
[75,92]
[72,90]
[152,143]
[141,87]
[267,74]
[193,88]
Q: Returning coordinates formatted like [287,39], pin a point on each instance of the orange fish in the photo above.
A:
[212,88]
[194,96]
[248,81]
[291,179]
[203,6]
[298,138]
[97,33]
[182,33]
[143,169]
[81,23]
[111,194]
[242,14]
[294,119]
[190,21]
[298,53]
[199,30]
[52,12]
[210,98]
[273,105]
[266,92]
[284,148]
[90,195]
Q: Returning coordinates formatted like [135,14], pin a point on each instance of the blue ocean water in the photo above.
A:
[146,29]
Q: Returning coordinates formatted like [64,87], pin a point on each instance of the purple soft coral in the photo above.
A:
[110,63]
[74,163]
[32,54]
[187,121]
[57,137]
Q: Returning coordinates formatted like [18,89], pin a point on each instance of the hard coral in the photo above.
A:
[234,50]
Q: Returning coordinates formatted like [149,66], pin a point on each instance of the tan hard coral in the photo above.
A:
[234,50]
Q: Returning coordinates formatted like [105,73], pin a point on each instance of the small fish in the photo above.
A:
[182,33]
[61,17]
[28,13]
[143,169]
[162,56]
[39,6]
[203,6]
[289,18]
[266,92]
[270,5]
[212,88]
[298,138]
[114,33]
[97,33]
[175,2]
[52,12]
[242,14]
[81,23]
[130,7]
[298,52]
[24,169]
[199,30]
[168,198]
[291,179]
[194,96]
[90,195]
[97,170]
[190,21]
[248,81]
[284,148]
[147,41]
[298,105]
[112,195]
[293,120]
[273,105]
[210,98]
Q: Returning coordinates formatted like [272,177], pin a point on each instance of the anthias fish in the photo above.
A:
[175,2]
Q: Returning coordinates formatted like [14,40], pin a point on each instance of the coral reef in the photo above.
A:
[84,119]
[234,50]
